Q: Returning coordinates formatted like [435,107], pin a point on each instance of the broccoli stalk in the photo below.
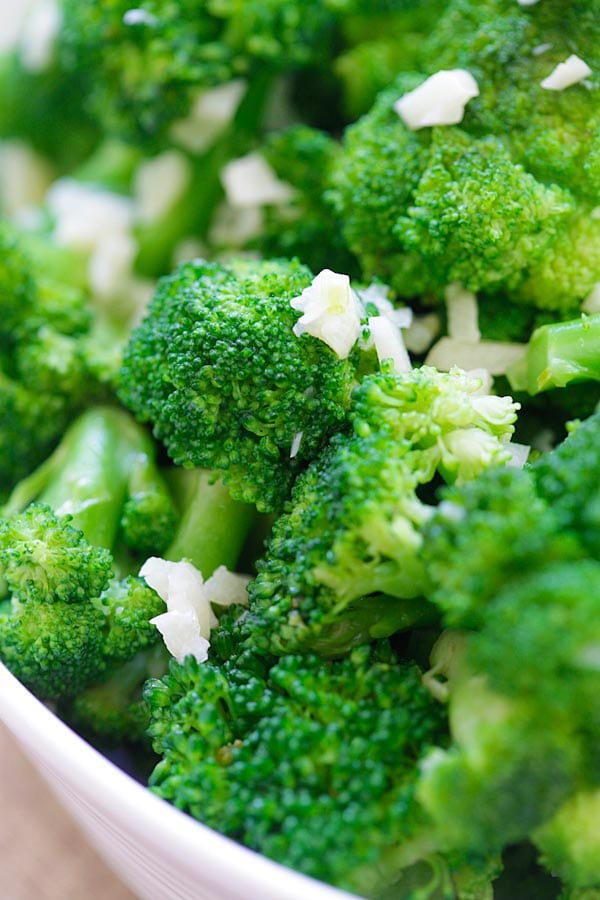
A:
[558,354]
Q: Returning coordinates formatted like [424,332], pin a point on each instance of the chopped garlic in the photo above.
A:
[226,588]
[518,454]
[377,295]
[495,356]
[139,17]
[181,636]
[187,624]
[572,71]
[250,181]
[296,442]
[24,178]
[209,116]
[13,14]
[422,332]
[331,312]
[111,263]
[234,227]
[158,184]
[542,48]
[591,304]
[463,313]
[39,35]
[527,2]
[84,215]
[389,344]
[440,100]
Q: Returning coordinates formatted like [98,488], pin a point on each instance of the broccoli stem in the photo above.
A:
[213,527]
[89,474]
[558,354]
[191,214]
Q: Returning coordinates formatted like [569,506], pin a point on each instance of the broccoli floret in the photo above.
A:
[353,527]
[486,533]
[538,640]
[509,768]
[421,208]
[69,621]
[163,55]
[217,369]
[47,343]
[329,747]
[568,843]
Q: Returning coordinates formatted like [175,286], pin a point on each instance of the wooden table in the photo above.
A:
[43,856]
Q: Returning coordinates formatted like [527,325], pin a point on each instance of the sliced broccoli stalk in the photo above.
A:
[213,527]
[103,475]
[559,354]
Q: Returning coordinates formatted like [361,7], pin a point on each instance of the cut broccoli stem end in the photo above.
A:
[557,355]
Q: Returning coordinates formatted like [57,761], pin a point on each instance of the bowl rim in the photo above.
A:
[74,760]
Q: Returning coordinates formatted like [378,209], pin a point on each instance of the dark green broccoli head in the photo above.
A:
[227,385]
[329,748]
[53,648]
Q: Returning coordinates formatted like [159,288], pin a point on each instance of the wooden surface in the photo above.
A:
[42,853]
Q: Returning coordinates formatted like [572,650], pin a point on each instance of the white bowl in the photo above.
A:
[159,852]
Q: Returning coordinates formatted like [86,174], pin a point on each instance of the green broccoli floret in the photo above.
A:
[509,767]
[353,527]
[216,368]
[486,533]
[330,748]
[163,55]
[568,843]
[69,621]
[421,208]
[48,340]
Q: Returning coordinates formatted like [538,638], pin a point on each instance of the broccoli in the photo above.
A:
[39,390]
[216,368]
[421,209]
[353,527]
[329,747]
[512,559]
[68,620]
